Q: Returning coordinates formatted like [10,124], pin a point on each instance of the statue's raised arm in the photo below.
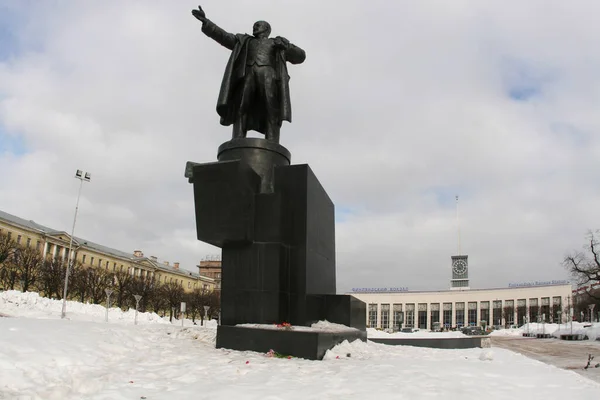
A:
[255,89]
[214,32]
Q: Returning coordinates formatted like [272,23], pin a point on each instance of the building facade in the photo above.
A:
[55,244]
[457,308]
[394,308]
[211,267]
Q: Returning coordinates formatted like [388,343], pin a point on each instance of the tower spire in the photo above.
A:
[457,226]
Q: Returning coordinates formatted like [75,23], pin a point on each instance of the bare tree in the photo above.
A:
[28,266]
[8,274]
[145,286]
[195,303]
[7,247]
[584,265]
[213,300]
[52,277]
[90,283]
[173,293]
[157,301]
[122,281]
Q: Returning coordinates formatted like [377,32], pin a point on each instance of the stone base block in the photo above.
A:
[311,345]
[437,343]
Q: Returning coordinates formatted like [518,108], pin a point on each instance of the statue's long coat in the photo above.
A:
[236,70]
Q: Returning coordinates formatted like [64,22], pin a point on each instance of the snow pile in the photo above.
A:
[486,355]
[321,326]
[507,332]
[331,327]
[31,304]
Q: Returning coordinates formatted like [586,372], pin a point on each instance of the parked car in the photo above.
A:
[407,330]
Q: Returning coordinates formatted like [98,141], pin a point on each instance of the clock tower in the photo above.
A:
[460,273]
[460,264]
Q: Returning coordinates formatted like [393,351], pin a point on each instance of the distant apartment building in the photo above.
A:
[211,267]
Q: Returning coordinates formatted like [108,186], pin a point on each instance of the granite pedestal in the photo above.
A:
[275,225]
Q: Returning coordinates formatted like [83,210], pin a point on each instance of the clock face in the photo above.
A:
[459,267]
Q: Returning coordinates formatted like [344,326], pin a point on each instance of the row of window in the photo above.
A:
[106,264]
[545,312]
[20,238]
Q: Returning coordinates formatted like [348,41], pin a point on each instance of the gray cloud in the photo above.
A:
[398,107]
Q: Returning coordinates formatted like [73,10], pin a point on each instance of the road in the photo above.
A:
[571,355]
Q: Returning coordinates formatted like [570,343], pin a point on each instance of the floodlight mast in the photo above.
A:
[82,176]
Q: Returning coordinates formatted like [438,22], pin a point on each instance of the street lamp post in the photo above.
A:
[137,304]
[206,308]
[108,293]
[82,176]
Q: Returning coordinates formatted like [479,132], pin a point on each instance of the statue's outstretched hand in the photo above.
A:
[199,14]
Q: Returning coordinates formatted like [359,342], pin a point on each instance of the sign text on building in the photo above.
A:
[537,283]
[380,290]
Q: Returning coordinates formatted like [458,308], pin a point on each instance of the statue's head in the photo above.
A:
[261,29]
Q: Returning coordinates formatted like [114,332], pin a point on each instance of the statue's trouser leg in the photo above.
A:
[268,89]
[246,94]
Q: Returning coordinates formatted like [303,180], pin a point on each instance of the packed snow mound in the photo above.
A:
[486,355]
[32,305]
[591,331]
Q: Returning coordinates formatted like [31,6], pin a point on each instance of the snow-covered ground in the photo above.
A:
[592,331]
[82,357]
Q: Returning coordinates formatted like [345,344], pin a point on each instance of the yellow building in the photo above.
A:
[54,243]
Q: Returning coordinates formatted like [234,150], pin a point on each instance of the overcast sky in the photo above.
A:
[399,106]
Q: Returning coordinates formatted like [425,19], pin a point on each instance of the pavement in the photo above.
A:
[570,355]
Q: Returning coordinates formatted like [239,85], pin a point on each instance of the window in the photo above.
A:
[472,315]
[92,261]
[497,313]
[38,246]
[521,311]
[189,285]
[460,314]
[435,314]
[205,287]
[372,315]
[556,308]
[509,312]
[410,316]
[422,316]
[170,280]
[484,317]
[9,235]
[121,267]
[397,317]
[100,262]
[447,315]
[19,239]
[114,266]
[83,259]
[385,316]
[28,242]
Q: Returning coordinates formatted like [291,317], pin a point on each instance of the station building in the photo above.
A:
[396,308]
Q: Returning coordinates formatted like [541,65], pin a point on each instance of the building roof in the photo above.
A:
[32,225]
